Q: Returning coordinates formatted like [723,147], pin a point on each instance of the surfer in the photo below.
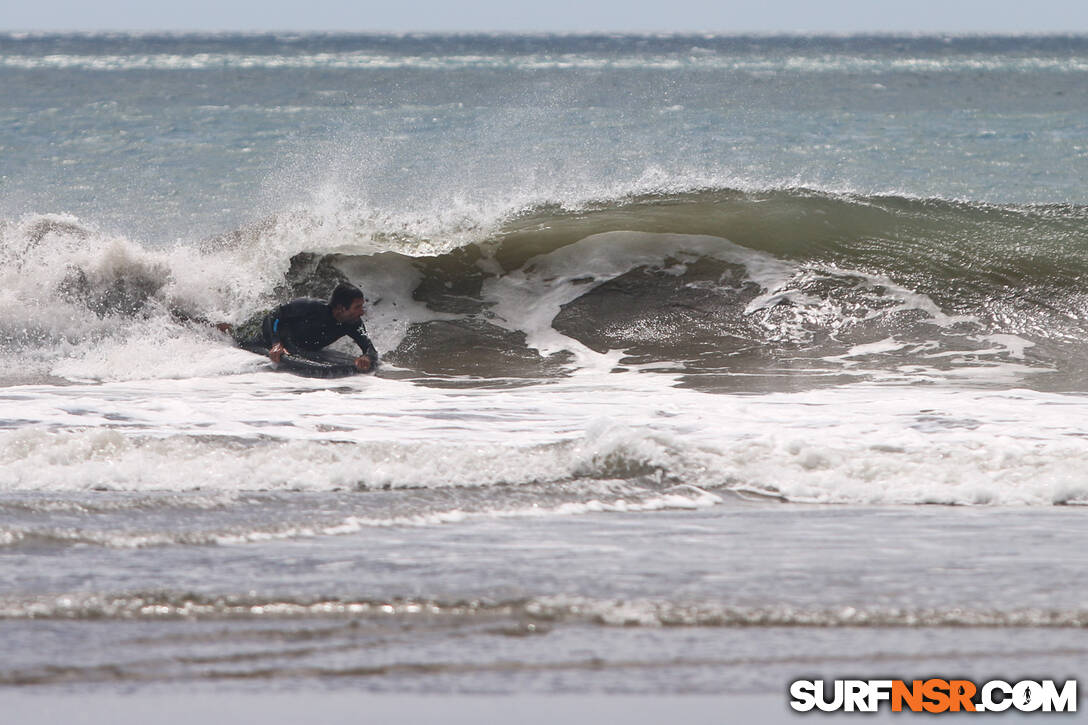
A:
[311,324]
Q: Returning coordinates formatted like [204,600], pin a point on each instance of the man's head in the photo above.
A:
[346,302]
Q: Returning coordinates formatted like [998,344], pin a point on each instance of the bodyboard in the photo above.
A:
[313,364]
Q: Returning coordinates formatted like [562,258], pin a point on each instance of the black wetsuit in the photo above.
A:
[308,324]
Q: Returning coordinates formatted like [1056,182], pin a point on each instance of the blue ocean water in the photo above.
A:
[167,138]
[710,361]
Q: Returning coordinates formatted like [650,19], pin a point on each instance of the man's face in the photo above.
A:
[354,313]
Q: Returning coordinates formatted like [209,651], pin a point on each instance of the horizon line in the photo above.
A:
[551,33]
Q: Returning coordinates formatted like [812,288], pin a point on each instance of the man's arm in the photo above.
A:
[281,332]
[367,347]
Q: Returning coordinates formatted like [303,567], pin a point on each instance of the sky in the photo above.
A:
[718,16]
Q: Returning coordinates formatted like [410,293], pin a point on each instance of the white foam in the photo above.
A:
[1012,345]
[644,612]
[864,443]
[363,60]
[889,344]
[529,298]
[87,305]
[795,321]
[150,352]
[686,497]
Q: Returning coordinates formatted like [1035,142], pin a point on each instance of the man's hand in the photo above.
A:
[277,352]
[362,363]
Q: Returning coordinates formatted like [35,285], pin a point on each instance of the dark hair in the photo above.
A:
[344,294]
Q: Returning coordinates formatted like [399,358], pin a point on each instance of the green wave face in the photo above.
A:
[790,284]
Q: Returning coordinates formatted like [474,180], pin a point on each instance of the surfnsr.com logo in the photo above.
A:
[934,695]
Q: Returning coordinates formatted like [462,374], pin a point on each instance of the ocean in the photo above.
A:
[710,363]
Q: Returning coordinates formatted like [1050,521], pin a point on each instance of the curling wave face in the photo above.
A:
[733,290]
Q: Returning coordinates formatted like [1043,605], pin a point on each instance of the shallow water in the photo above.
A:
[740,597]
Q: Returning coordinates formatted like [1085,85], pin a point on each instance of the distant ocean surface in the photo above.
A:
[711,362]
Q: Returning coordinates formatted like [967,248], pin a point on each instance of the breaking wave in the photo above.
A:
[786,282]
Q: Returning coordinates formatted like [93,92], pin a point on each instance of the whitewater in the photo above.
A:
[709,362]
